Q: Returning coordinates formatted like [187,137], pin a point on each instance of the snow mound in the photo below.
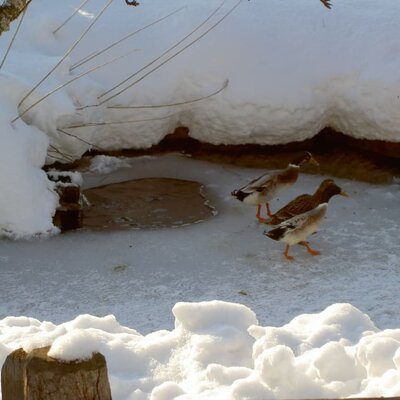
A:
[218,350]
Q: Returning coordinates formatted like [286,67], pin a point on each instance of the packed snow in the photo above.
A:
[295,316]
[304,329]
[293,69]
[217,350]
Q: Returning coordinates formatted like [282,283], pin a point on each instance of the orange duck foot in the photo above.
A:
[259,217]
[286,254]
[310,250]
[268,210]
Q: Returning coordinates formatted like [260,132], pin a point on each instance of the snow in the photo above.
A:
[303,329]
[238,307]
[218,350]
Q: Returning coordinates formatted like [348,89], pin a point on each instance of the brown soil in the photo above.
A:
[159,202]
[339,155]
[145,203]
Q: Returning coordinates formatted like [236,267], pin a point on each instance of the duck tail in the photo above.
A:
[277,233]
[239,194]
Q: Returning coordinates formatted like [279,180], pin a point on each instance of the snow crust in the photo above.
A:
[217,350]
[293,69]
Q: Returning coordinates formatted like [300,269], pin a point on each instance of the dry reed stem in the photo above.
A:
[70,17]
[224,86]
[174,55]
[95,54]
[15,34]
[165,52]
[64,56]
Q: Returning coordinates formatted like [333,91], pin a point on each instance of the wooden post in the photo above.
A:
[68,215]
[36,376]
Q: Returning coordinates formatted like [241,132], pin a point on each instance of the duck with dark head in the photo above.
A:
[266,187]
[306,202]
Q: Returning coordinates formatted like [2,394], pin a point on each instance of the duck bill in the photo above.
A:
[313,161]
[344,194]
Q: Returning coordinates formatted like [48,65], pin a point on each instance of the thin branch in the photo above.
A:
[78,138]
[15,33]
[72,80]
[70,17]
[173,104]
[89,124]
[165,52]
[97,53]
[56,150]
[174,55]
[65,55]
[55,158]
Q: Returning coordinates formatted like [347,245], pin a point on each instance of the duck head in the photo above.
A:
[328,189]
[305,158]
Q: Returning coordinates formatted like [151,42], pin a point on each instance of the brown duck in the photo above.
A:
[263,189]
[306,202]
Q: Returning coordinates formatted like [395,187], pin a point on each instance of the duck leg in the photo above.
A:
[309,249]
[268,210]
[259,217]
[286,253]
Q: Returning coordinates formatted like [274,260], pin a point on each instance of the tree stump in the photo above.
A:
[68,215]
[36,376]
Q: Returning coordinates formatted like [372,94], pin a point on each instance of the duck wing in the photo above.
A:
[299,205]
[296,223]
[259,184]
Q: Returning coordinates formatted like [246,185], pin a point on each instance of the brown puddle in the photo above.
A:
[146,203]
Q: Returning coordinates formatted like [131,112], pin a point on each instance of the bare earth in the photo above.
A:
[146,203]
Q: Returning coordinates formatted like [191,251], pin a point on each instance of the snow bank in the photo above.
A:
[27,200]
[218,351]
[293,68]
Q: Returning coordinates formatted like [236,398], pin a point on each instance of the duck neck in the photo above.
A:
[290,173]
[323,196]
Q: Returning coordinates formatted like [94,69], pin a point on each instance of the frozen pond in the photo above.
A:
[139,275]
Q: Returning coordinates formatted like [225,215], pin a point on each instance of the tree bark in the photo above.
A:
[9,11]
[36,376]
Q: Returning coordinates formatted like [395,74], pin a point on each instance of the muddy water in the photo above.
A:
[146,203]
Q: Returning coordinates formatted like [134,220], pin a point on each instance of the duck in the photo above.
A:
[306,202]
[295,230]
[264,188]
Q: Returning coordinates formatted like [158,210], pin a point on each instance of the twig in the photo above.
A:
[78,138]
[72,80]
[173,104]
[65,55]
[70,17]
[89,124]
[15,33]
[66,156]
[55,158]
[174,55]
[97,53]
[165,52]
